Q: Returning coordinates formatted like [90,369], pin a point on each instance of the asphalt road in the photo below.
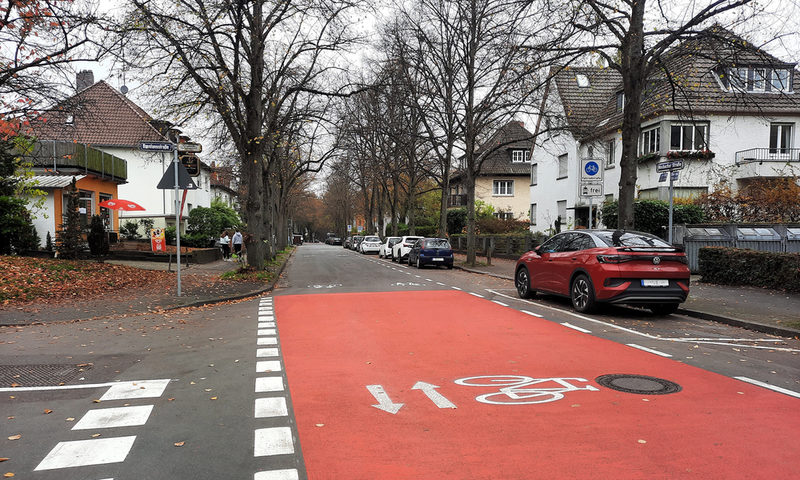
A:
[317,381]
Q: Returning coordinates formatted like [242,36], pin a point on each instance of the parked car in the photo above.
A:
[386,247]
[356,241]
[431,251]
[335,240]
[400,249]
[606,266]
[370,244]
[347,242]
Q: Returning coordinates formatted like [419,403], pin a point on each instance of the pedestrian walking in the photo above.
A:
[225,243]
[236,243]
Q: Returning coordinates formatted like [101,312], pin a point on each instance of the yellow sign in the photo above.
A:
[157,241]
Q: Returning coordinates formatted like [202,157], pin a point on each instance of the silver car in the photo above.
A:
[370,244]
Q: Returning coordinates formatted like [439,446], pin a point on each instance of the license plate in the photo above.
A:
[438,259]
[655,283]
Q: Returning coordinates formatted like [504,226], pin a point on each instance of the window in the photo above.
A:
[650,141]
[583,80]
[561,206]
[610,154]
[504,215]
[688,137]
[503,188]
[780,80]
[519,156]
[563,166]
[535,174]
[780,137]
[533,214]
[620,101]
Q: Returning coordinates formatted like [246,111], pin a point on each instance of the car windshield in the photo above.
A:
[372,239]
[394,240]
[437,243]
[631,239]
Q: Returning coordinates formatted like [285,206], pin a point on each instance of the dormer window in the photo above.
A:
[70,120]
[583,80]
[620,101]
[519,156]
[756,79]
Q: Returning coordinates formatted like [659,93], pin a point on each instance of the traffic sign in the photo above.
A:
[191,162]
[674,175]
[155,146]
[167,182]
[590,170]
[591,189]
[190,147]
[662,177]
[669,166]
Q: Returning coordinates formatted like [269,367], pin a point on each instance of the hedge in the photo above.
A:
[652,216]
[739,266]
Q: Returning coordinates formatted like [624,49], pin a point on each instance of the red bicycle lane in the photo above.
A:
[345,354]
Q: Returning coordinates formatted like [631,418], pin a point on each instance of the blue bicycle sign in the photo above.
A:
[591,168]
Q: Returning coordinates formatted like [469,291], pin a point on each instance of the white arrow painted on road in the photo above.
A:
[437,398]
[384,402]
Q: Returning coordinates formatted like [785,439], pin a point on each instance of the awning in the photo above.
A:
[54,181]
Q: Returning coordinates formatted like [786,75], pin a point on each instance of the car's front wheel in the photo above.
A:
[582,294]
[663,308]
[522,281]
[419,265]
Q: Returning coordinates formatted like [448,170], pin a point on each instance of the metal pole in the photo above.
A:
[669,235]
[590,212]
[177,219]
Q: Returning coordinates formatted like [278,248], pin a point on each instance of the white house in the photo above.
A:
[731,120]
[101,116]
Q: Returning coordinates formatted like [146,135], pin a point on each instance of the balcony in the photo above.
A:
[78,158]
[457,200]
[761,155]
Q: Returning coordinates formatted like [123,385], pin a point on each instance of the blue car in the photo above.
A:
[431,251]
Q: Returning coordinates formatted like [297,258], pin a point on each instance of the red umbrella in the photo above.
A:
[120,204]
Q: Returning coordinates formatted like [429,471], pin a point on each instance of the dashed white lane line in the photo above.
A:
[785,391]
[500,303]
[266,324]
[476,294]
[87,452]
[575,327]
[267,341]
[649,350]
[269,384]
[532,314]
[265,366]
[428,280]
[267,331]
[440,283]
[114,417]
[138,389]
[266,318]
[273,441]
[289,474]
[455,288]
[267,352]
[271,407]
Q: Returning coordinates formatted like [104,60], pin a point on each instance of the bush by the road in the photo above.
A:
[738,266]
[652,216]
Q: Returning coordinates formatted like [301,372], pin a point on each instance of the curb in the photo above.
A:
[199,303]
[754,326]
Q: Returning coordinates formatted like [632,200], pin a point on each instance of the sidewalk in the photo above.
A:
[200,285]
[763,310]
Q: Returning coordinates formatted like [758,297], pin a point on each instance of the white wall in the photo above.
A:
[44,220]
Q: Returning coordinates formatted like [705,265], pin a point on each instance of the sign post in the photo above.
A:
[672,167]
[591,183]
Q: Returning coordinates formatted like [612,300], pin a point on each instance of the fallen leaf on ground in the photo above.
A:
[15,437]
[47,411]
[3,459]
[213,398]
[70,419]
[95,435]
[95,401]
[8,475]
[179,444]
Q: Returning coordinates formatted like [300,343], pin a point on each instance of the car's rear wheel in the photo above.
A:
[663,308]
[582,294]
[522,281]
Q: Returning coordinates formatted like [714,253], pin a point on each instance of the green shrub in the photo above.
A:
[130,230]
[98,241]
[169,235]
[738,266]
[652,216]
[456,220]
[493,225]
[211,221]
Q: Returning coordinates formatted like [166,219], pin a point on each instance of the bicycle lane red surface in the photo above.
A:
[335,345]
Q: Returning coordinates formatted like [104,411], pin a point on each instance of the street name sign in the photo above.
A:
[155,146]
[190,147]
[669,166]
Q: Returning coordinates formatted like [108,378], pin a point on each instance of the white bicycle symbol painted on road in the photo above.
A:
[514,388]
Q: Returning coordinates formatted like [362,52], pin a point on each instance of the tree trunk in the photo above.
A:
[633,70]
[469,181]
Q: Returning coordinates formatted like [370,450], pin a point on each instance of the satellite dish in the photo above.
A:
[123,89]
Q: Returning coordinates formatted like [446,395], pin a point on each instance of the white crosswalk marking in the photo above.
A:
[266,352]
[137,389]
[269,384]
[114,417]
[87,452]
[290,474]
[270,407]
[268,366]
[267,341]
[273,441]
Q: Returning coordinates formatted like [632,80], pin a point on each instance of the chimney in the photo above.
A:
[84,79]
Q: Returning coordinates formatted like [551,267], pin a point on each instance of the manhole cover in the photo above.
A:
[638,384]
[39,375]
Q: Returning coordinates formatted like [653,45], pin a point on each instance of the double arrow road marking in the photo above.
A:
[387,405]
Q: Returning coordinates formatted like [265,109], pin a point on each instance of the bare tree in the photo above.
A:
[241,63]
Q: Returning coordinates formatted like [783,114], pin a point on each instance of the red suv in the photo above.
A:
[610,266]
